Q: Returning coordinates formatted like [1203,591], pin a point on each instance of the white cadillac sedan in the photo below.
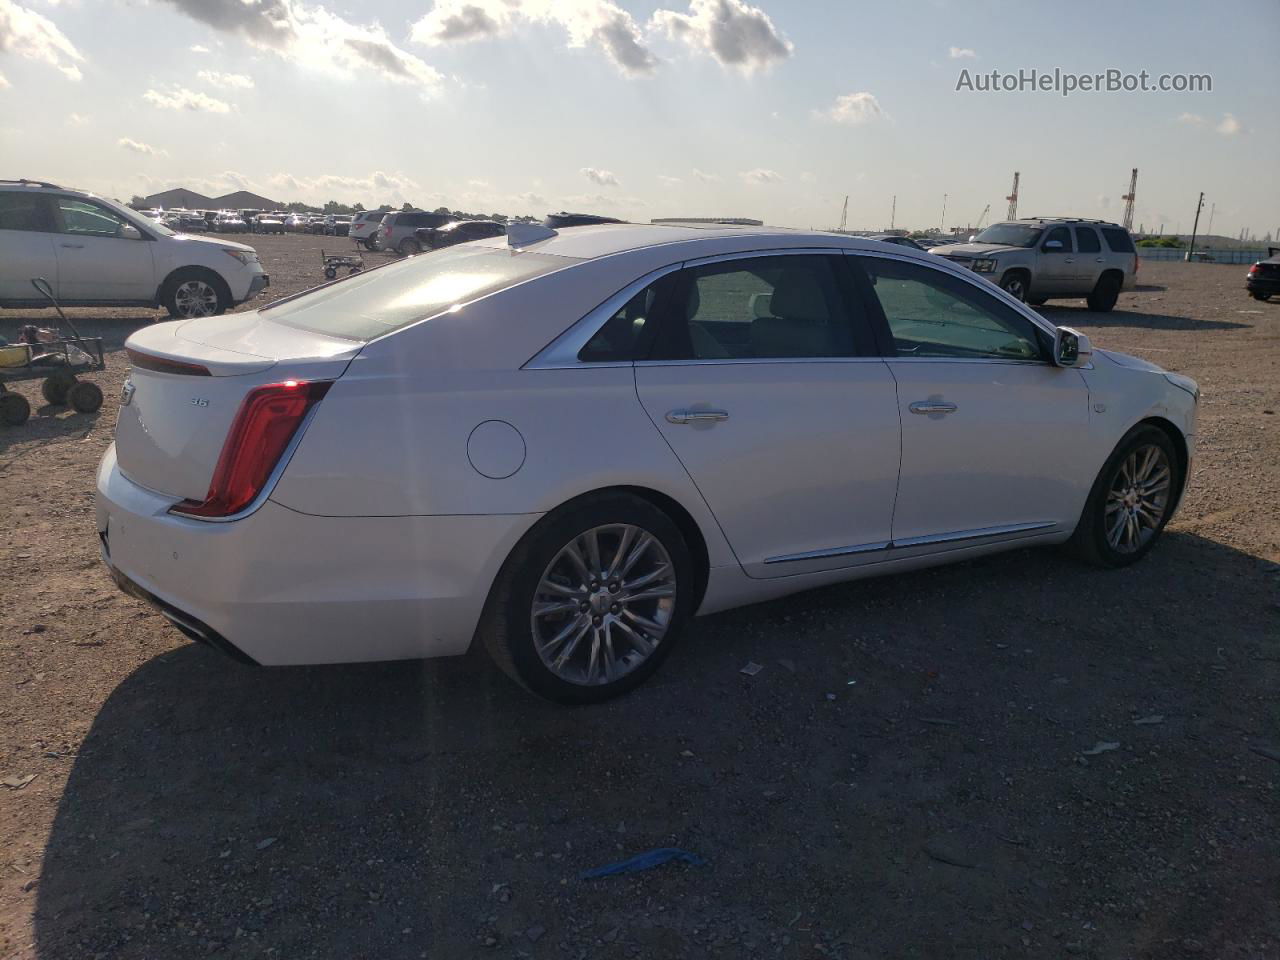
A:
[565,445]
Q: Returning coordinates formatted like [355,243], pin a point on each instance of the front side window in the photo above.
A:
[1062,235]
[85,219]
[759,308]
[932,314]
[20,210]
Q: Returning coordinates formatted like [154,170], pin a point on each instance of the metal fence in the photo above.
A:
[1207,256]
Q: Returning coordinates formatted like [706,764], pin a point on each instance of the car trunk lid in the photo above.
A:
[188,381]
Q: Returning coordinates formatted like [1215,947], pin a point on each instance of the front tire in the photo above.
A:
[1131,501]
[408,247]
[1015,284]
[591,601]
[195,293]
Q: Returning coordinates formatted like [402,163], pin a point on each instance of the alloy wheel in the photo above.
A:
[603,604]
[1138,498]
[195,298]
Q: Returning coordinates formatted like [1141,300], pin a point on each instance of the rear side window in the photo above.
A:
[1118,239]
[623,336]
[368,305]
[1087,238]
[776,307]
[24,211]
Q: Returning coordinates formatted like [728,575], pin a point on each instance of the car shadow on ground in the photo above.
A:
[1081,315]
[911,739]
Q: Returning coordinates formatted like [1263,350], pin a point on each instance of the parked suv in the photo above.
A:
[397,231]
[1049,258]
[364,228]
[98,253]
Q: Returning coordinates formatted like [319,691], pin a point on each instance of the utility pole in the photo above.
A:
[1191,251]
[844,214]
[943,225]
[1213,207]
[893,211]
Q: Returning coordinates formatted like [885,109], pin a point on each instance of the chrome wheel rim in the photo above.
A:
[604,604]
[1138,498]
[195,298]
[1014,289]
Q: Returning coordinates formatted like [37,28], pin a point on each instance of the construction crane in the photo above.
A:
[985,211]
[1013,198]
[1128,199]
[844,214]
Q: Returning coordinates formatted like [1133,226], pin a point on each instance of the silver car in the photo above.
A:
[397,230]
[1047,258]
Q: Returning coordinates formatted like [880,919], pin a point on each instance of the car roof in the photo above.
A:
[606,239]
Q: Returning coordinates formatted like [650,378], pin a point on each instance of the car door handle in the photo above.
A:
[696,416]
[74,246]
[1070,260]
[933,406]
[1098,260]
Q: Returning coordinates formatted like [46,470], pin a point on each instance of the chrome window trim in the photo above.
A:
[832,552]
[562,352]
[757,254]
[750,360]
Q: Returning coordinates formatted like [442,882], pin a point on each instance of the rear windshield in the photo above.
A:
[371,304]
[1118,240]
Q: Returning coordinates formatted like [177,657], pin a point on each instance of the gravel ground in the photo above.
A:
[906,777]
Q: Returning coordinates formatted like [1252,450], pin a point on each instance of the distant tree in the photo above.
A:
[357,207]
[500,217]
[385,208]
[138,201]
[407,208]
[443,211]
[333,206]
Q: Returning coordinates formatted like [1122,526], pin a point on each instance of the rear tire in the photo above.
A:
[85,397]
[1105,293]
[408,247]
[1015,284]
[1261,296]
[564,640]
[1101,536]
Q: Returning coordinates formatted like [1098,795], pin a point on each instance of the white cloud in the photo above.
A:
[1229,126]
[238,81]
[531,199]
[138,147]
[371,189]
[313,37]
[199,48]
[704,177]
[604,178]
[600,23]
[1190,118]
[29,34]
[180,98]
[77,119]
[480,184]
[733,32]
[3,82]
[668,181]
[961,53]
[853,108]
[761,175]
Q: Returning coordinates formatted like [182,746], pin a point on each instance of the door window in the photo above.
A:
[932,314]
[1062,235]
[760,308]
[23,211]
[622,337]
[1087,237]
[88,219]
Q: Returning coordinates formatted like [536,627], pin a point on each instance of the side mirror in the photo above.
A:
[129,232]
[1054,245]
[1071,348]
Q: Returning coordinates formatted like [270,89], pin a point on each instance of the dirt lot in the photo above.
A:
[905,777]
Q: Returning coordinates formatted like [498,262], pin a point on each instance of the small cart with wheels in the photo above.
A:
[333,262]
[58,362]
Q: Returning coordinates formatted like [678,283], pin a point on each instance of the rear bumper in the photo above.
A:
[282,587]
[1264,285]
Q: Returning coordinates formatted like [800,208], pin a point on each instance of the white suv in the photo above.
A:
[97,253]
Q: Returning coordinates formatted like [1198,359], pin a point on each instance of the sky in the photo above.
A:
[773,109]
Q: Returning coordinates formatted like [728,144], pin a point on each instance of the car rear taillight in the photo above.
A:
[149,361]
[386,231]
[1255,269]
[267,420]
